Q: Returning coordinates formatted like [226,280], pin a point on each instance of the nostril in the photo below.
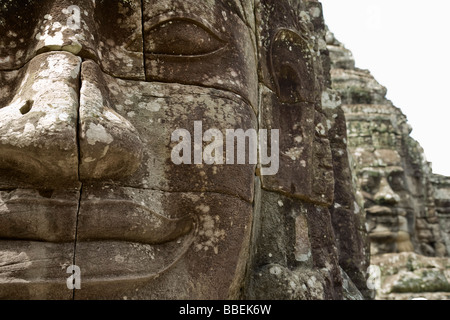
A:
[46,193]
[386,198]
[26,107]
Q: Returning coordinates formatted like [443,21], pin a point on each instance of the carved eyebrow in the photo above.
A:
[371,171]
[395,170]
[382,170]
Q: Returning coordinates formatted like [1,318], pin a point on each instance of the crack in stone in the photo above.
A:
[78,133]
[143,40]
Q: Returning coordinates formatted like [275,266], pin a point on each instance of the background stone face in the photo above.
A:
[405,204]
[90,96]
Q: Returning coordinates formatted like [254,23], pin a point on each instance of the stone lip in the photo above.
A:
[123,261]
[408,275]
[135,222]
[41,266]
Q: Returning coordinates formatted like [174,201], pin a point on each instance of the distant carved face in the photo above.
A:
[382,181]
[89,98]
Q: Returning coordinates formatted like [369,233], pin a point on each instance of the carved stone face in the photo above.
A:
[375,143]
[90,95]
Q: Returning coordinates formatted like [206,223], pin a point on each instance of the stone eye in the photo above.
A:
[182,37]
[369,182]
[291,67]
[396,181]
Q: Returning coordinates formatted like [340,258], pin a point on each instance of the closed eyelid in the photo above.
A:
[183,37]
[164,18]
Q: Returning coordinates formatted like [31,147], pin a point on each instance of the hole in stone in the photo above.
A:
[26,107]
[46,193]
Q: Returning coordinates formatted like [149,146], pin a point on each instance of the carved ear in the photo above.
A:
[291,66]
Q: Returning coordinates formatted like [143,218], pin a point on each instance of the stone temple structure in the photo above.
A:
[93,98]
[181,149]
[406,206]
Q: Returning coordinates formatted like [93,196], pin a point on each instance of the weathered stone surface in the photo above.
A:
[405,276]
[441,186]
[205,43]
[296,254]
[127,118]
[38,122]
[38,215]
[111,199]
[160,245]
[35,270]
[392,173]
[109,33]
[290,101]
[405,204]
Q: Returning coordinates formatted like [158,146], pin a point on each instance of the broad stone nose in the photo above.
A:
[385,194]
[38,121]
[110,147]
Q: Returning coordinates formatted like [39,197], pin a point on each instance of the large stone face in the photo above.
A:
[99,101]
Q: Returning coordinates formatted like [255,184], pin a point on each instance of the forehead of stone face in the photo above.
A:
[378,127]
[107,31]
[285,64]
[208,43]
[377,158]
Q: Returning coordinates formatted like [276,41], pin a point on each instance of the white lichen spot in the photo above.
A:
[5,59]
[63,117]
[209,234]
[294,153]
[315,12]
[276,270]
[280,203]
[203,208]
[29,129]
[118,258]
[97,133]
[320,128]
[153,106]
[357,208]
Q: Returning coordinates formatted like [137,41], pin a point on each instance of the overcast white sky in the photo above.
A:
[405,44]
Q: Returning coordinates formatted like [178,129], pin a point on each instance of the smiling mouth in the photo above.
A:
[121,241]
[387,210]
